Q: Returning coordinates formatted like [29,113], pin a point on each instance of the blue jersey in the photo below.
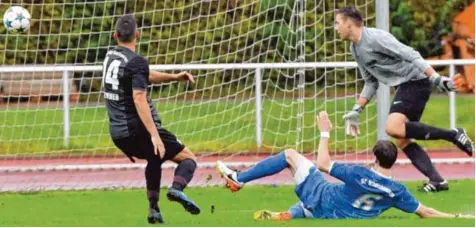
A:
[364,193]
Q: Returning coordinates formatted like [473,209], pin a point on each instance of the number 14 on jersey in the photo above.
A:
[110,73]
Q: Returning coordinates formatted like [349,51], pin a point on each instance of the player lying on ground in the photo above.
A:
[365,193]
[382,58]
[135,126]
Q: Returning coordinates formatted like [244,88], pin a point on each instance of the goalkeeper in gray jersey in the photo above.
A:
[382,58]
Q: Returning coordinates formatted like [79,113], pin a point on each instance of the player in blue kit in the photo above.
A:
[364,193]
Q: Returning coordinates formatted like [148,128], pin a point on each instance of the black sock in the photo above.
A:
[417,130]
[153,177]
[153,197]
[422,162]
[183,174]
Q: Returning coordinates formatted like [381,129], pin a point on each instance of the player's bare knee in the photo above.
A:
[290,152]
[390,130]
[402,143]
[184,154]
[395,125]
[290,155]
[190,155]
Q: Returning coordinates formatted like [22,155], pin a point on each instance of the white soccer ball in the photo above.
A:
[17,19]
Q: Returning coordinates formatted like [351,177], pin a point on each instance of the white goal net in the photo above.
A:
[53,125]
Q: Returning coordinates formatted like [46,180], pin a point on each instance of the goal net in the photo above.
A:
[246,103]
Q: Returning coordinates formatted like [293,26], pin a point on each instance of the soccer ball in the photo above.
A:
[16,19]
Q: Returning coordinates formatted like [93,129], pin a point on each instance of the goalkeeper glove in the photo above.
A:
[444,84]
[352,121]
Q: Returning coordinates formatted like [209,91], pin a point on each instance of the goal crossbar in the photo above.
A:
[222,66]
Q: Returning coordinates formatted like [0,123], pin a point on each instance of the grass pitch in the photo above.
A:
[129,208]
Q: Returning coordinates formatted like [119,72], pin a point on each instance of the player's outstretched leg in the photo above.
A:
[183,174]
[266,167]
[458,136]
[400,126]
[153,176]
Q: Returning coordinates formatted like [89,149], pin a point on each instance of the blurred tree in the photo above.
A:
[422,23]
[224,31]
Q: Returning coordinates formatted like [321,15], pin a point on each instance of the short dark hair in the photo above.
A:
[386,153]
[126,28]
[352,13]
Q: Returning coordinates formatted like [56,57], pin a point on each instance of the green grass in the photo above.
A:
[214,126]
[129,208]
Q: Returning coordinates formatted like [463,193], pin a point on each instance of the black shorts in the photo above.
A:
[140,145]
[411,98]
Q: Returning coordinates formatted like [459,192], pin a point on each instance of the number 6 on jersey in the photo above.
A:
[366,202]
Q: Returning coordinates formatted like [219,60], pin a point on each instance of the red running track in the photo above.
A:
[129,178]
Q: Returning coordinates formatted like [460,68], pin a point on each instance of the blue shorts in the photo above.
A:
[310,191]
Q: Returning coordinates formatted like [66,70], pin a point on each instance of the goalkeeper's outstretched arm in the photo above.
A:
[370,88]
[368,92]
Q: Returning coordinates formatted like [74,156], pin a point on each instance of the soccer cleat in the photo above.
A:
[463,141]
[180,197]
[154,217]
[229,176]
[269,215]
[433,186]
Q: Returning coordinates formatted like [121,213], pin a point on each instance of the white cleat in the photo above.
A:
[229,176]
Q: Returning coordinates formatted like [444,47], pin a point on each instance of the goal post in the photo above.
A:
[383,93]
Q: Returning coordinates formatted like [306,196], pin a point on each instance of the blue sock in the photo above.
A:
[297,211]
[266,167]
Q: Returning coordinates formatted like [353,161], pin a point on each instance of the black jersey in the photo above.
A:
[125,71]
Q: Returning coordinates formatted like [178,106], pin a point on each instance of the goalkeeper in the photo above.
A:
[366,193]
[382,58]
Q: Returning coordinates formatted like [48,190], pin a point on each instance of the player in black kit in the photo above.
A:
[135,126]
